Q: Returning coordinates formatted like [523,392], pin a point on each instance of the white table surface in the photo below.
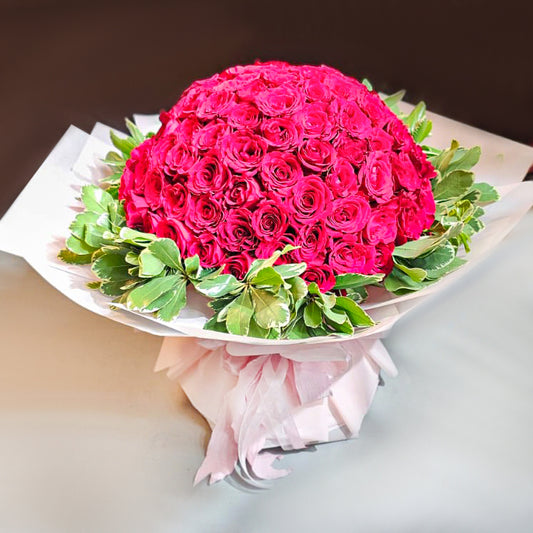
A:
[93,441]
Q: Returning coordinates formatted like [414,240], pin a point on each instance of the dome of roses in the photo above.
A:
[270,154]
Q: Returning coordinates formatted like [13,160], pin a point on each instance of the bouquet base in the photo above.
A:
[255,401]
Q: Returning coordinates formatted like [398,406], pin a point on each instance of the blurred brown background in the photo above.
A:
[68,62]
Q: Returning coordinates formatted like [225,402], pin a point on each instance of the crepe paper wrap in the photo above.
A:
[259,400]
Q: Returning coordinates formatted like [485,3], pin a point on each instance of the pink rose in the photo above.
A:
[175,199]
[236,233]
[281,133]
[278,101]
[380,141]
[342,179]
[280,171]
[376,175]
[411,222]
[372,105]
[216,104]
[348,215]
[310,201]
[208,175]
[153,187]
[174,229]
[317,155]
[404,171]
[179,159]
[383,262]
[237,265]
[208,250]
[315,121]
[244,115]
[242,190]
[353,150]
[269,220]
[243,150]
[322,275]
[203,212]
[313,242]
[354,120]
[381,226]
[315,90]
[348,255]
[209,136]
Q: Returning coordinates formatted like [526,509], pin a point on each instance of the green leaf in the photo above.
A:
[149,265]
[394,99]
[435,260]
[167,251]
[139,238]
[78,246]
[353,281]
[298,289]
[412,249]
[111,267]
[143,295]
[488,193]
[77,227]
[312,315]
[454,265]
[176,303]
[416,274]
[267,277]
[356,314]
[298,330]
[453,185]
[97,236]
[271,311]
[111,288]
[132,258]
[93,285]
[239,314]
[335,315]
[74,259]
[96,199]
[125,145]
[416,115]
[257,331]
[422,130]
[367,84]
[290,270]
[192,266]
[219,286]
[465,159]
[441,161]
[135,132]
[399,283]
[214,325]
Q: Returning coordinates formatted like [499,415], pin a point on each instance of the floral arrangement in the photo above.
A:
[281,193]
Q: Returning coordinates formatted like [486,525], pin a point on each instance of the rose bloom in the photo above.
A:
[175,199]
[322,275]
[317,155]
[244,115]
[313,241]
[179,159]
[381,226]
[281,133]
[209,136]
[280,171]
[348,215]
[342,179]
[283,100]
[311,200]
[243,151]
[236,233]
[174,229]
[208,175]
[208,249]
[242,190]
[237,265]
[269,219]
[203,212]
[349,255]
[376,175]
[315,121]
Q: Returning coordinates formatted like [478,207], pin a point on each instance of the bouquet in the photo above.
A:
[272,225]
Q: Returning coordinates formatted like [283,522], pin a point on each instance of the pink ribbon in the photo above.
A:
[264,400]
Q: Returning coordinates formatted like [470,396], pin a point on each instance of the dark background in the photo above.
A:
[64,62]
